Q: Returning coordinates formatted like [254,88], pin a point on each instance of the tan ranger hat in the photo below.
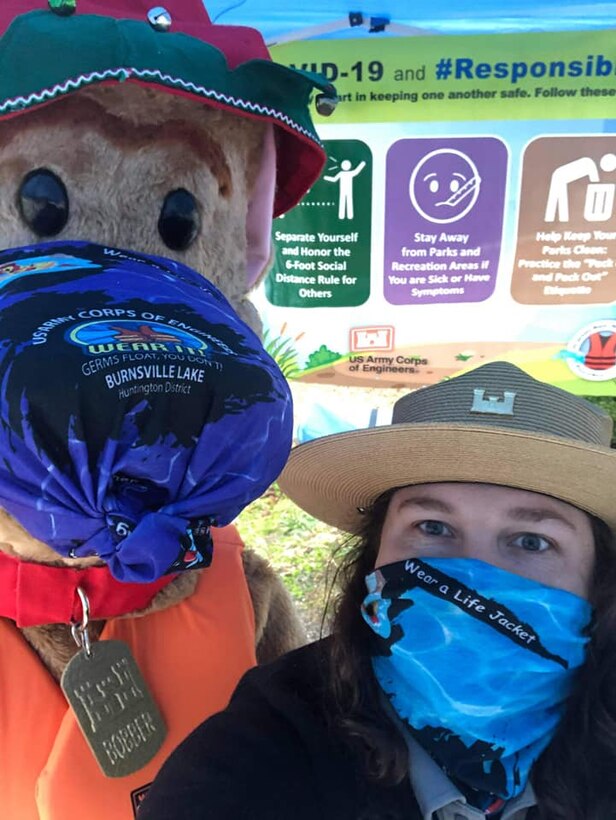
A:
[494,425]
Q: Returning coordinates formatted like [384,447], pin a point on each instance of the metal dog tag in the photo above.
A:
[116,712]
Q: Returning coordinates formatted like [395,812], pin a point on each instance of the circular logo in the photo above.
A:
[591,353]
[139,334]
[444,185]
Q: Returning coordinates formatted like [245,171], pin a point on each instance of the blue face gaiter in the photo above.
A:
[477,662]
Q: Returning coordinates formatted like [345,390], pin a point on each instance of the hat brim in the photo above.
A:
[44,57]
[331,477]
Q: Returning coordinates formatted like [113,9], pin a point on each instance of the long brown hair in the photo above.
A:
[574,778]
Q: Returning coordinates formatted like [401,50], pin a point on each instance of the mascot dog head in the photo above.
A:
[151,130]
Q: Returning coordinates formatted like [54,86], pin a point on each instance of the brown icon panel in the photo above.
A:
[566,242]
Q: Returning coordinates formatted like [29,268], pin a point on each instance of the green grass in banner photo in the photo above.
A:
[322,246]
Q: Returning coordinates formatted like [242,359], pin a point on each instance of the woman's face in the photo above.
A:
[523,532]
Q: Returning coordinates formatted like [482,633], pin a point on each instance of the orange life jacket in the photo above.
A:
[191,655]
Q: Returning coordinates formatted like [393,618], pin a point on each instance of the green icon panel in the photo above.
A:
[322,246]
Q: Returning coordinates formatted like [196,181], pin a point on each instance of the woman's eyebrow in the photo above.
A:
[537,514]
[429,503]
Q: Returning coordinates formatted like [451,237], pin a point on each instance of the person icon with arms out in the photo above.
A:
[345,177]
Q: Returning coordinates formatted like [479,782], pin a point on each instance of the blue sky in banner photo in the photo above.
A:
[279,17]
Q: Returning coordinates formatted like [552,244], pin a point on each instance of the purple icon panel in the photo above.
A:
[444,207]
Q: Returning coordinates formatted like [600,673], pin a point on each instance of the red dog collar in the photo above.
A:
[34,594]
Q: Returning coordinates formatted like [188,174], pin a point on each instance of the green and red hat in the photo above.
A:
[51,48]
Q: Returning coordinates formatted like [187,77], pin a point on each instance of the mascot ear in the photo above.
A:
[260,214]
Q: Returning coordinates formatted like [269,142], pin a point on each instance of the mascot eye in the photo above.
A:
[43,202]
[179,221]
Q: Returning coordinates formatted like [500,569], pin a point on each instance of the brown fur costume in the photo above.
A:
[119,150]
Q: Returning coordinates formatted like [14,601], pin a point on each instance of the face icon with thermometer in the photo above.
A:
[444,185]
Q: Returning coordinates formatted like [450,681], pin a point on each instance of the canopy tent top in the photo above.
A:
[281,21]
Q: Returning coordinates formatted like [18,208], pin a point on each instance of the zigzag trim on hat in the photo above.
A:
[234,101]
[122,74]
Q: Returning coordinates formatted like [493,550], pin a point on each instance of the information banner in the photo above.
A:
[466,213]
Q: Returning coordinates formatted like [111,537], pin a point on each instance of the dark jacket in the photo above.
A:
[271,756]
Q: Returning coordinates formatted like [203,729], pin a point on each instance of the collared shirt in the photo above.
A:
[439,799]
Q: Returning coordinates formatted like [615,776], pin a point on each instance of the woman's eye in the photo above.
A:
[179,221]
[43,202]
[434,528]
[531,542]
